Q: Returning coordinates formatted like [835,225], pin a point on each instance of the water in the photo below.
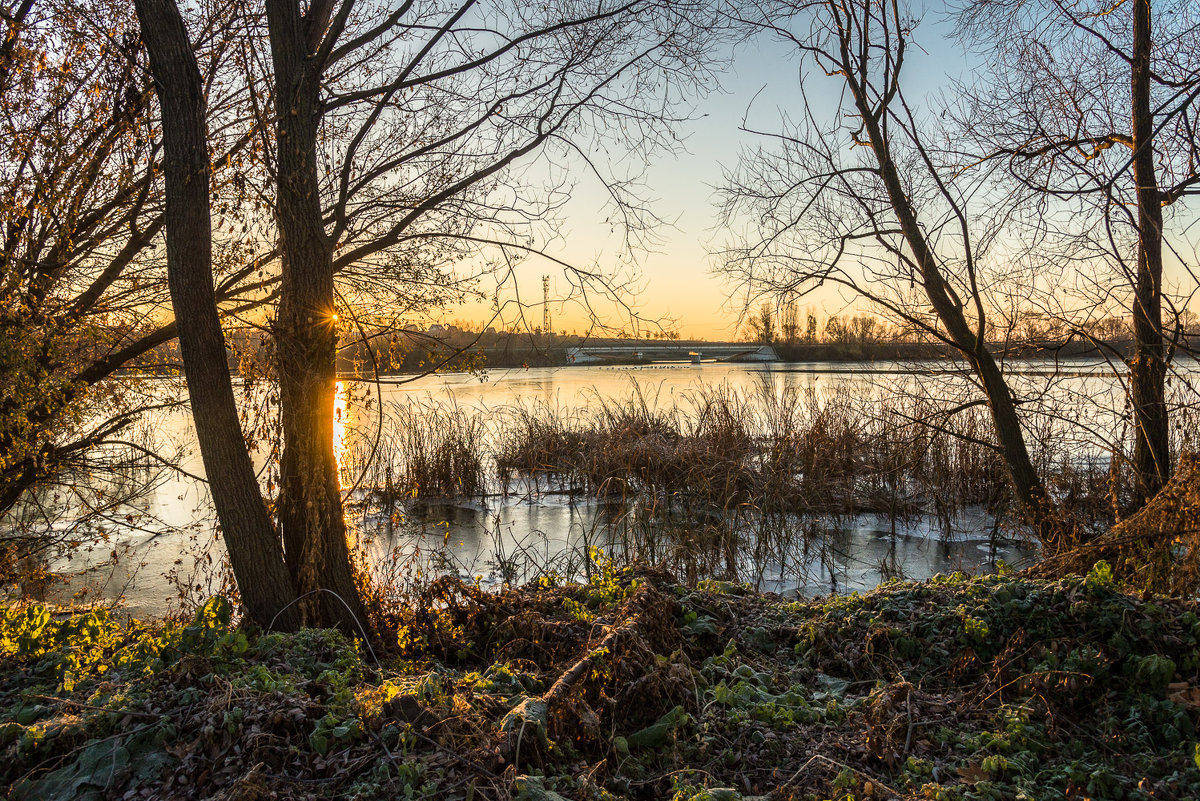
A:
[167,543]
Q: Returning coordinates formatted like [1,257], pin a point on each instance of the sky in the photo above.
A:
[677,286]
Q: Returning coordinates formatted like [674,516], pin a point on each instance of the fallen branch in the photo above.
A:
[535,713]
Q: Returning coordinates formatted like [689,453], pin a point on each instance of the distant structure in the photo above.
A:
[652,352]
[546,305]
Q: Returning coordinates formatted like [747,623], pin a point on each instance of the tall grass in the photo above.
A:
[788,451]
[718,482]
[426,451]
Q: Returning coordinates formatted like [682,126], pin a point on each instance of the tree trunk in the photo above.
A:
[310,505]
[1038,509]
[1147,368]
[254,550]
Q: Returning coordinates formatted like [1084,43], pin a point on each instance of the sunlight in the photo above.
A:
[341,406]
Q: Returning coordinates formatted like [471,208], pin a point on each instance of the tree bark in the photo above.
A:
[310,505]
[1147,367]
[254,549]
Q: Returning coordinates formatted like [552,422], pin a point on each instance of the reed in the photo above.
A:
[426,451]
[725,483]
[789,452]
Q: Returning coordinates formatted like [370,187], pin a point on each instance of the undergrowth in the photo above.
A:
[627,686]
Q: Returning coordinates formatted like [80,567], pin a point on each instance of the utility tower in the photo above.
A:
[546,305]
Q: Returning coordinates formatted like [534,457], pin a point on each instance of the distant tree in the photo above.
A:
[789,325]
[762,324]
[865,329]
[836,331]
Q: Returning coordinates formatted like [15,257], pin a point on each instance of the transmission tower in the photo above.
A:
[546,304]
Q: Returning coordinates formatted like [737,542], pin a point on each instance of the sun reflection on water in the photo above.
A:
[341,419]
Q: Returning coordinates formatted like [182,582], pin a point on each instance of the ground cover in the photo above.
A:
[628,686]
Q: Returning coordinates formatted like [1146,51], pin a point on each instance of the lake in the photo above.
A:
[1077,403]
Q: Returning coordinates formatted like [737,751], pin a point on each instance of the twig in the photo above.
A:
[564,683]
[131,713]
[454,755]
[843,766]
[354,617]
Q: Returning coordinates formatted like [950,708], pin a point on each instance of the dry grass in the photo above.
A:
[787,452]
[719,482]
[427,451]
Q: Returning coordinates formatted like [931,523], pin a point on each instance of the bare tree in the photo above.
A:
[254,549]
[861,200]
[762,324]
[1092,108]
[417,118]
[384,138]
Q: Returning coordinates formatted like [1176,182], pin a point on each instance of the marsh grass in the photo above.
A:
[428,451]
[718,482]
[775,452]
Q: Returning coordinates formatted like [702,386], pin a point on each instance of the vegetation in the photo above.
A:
[78,292]
[874,196]
[624,687]
[320,169]
[788,452]
[1094,126]
[713,483]
[446,101]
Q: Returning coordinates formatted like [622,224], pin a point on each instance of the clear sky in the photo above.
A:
[677,284]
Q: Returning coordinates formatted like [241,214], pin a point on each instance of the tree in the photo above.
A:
[485,98]
[836,330]
[1091,108]
[789,326]
[762,324]
[861,201]
[72,154]
[254,549]
[389,140]
[81,269]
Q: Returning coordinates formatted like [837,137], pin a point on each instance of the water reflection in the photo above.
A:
[496,535]
[512,540]
[341,426]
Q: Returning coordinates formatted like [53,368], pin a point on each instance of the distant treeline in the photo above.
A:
[453,352]
[895,350]
[800,337]
[860,337]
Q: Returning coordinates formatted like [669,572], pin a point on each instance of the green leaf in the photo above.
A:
[98,765]
[656,733]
